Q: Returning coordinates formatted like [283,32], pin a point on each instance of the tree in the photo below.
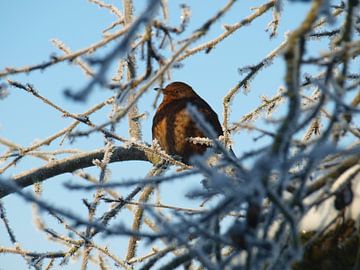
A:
[305,154]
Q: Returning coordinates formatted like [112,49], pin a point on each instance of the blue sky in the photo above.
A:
[26,28]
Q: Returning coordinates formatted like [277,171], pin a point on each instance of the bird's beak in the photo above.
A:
[157,88]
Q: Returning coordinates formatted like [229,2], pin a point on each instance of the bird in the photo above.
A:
[173,126]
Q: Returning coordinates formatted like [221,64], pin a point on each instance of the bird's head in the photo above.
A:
[178,90]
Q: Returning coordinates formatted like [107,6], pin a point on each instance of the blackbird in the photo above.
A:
[173,126]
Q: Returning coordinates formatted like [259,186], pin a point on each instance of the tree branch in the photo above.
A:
[71,164]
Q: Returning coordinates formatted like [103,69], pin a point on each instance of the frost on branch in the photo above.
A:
[287,197]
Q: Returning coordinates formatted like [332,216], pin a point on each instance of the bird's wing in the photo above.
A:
[210,115]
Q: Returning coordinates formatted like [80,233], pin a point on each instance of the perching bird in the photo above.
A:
[173,126]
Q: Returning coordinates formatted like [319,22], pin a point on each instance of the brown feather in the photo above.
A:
[172,125]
